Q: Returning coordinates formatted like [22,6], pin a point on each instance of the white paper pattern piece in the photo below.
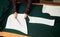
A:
[52,10]
[40,20]
[20,23]
[17,24]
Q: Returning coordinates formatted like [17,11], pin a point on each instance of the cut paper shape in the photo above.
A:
[52,10]
[40,20]
[17,24]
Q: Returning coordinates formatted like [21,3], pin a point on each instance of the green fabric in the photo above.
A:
[4,12]
[35,30]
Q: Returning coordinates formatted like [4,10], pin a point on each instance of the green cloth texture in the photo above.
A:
[34,30]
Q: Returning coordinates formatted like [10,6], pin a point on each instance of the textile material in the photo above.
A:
[52,10]
[17,24]
[34,29]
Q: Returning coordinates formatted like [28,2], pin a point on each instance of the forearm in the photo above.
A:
[28,7]
[14,5]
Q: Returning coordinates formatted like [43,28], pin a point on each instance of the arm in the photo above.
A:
[15,8]
[28,7]
[14,5]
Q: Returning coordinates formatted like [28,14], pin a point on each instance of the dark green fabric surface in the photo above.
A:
[35,30]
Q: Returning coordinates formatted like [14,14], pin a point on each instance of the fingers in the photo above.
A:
[15,15]
[25,15]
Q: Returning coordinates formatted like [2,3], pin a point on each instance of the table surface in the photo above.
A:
[8,34]
[47,3]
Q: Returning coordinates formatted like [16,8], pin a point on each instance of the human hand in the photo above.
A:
[15,14]
[25,15]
